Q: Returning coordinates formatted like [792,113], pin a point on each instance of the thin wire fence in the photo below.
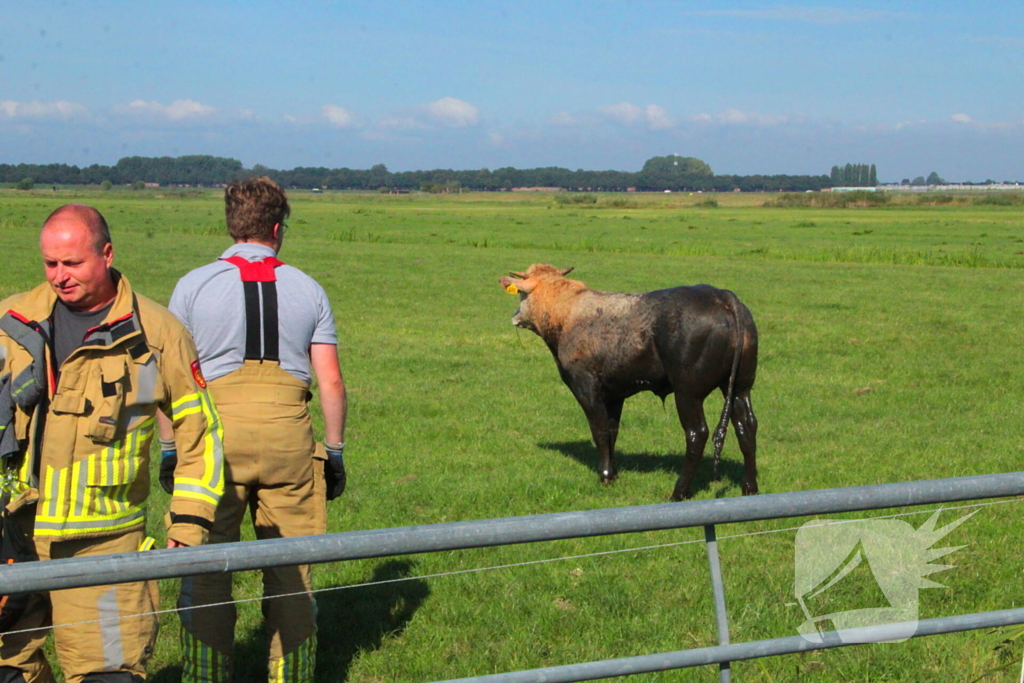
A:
[513,565]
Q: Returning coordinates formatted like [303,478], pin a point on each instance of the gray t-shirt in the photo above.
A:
[210,302]
[69,328]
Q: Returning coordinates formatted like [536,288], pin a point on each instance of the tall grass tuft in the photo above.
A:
[828,200]
[621,203]
[573,198]
[1000,199]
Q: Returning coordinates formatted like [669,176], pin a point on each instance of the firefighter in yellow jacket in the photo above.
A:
[85,364]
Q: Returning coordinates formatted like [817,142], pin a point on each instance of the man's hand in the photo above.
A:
[168,463]
[334,469]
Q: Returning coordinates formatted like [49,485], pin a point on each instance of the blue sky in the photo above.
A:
[749,87]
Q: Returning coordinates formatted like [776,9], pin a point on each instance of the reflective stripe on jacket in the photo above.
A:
[91,466]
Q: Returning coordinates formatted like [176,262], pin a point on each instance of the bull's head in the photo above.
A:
[523,284]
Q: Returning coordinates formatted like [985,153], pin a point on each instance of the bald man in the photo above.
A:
[85,364]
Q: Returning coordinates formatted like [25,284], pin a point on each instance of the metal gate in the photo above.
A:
[352,545]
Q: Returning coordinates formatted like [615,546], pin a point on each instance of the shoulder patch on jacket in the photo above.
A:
[197,374]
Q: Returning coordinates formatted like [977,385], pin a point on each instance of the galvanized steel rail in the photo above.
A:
[719,654]
[352,545]
[355,545]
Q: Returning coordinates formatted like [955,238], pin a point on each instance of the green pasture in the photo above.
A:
[890,351]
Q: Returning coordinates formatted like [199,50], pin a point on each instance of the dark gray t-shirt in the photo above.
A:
[69,328]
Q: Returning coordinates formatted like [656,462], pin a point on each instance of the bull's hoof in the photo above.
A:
[749,489]
[679,496]
[608,476]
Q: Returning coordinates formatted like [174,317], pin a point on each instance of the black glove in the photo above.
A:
[334,470]
[168,463]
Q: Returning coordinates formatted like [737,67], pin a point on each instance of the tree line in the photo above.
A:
[674,173]
[854,175]
[199,169]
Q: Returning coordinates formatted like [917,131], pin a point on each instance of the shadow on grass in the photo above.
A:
[361,619]
[350,621]
[729,471]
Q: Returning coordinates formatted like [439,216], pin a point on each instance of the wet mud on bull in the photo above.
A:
[686,341]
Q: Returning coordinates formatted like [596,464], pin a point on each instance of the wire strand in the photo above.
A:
[513,565]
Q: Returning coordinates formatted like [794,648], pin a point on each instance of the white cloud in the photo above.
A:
[962,118]
[496,138]
[738,117]
[35,110]
[289,118]
[657,117]
[623,112]
[627,113]
[449,111]
[179,110]
[246,114]
[338,116]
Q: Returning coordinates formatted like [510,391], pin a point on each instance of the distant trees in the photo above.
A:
[934,179]
[186,170]
[854,175]
[25,184]
[672,172]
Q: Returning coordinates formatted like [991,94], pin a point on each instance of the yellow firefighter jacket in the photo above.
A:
[80,437]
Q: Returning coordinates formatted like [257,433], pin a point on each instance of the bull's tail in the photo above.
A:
[719,437]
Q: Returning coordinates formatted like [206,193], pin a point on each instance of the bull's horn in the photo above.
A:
[521,276]
[565,272]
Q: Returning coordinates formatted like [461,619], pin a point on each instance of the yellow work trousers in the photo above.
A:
[271,469]
[114,636]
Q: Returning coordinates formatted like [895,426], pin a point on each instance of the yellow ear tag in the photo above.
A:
[512,289]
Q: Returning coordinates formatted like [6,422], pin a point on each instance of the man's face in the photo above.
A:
[79,275]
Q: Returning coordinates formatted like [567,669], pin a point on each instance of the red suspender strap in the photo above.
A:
[256,271]
[259,282]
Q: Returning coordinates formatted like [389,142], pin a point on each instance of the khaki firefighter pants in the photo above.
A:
[269,469]
[115,639]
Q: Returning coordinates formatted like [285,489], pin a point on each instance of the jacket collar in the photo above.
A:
[37,305]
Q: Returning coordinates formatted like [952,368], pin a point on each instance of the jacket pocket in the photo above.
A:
[70,397]
[111,375]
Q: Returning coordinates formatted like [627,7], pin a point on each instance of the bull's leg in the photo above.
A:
[603,417]
[604,433]
[745,422]
[609,470]
[691,417]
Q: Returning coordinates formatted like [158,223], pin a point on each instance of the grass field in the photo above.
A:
[890,351]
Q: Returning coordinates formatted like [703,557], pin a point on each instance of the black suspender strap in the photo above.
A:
[252,320]
[259,283]
[271,341]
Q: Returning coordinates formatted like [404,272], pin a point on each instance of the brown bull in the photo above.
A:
[686,341]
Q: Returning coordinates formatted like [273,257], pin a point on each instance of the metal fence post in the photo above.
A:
[718,591]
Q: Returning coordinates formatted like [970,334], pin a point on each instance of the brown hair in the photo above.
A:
[92,219]
[252,207]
